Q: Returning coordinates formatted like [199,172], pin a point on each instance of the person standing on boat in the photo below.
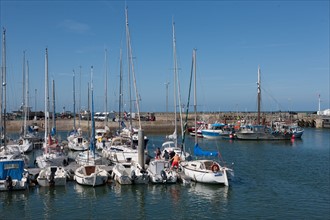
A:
[158,153]
[166,156]
[176,160]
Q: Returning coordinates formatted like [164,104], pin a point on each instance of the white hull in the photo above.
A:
[160,172]
[130,174]
[88,158]
[91,175]
[52,176]
[51,159]
[201,171]
[78,144]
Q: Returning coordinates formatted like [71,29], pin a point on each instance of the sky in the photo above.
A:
[289,40]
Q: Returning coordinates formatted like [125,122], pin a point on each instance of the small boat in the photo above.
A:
[170,146]
[217,130]
[160,172]
[204,170]
[13,176]
[52,176]
[127,174]
[91,175]
[76,141]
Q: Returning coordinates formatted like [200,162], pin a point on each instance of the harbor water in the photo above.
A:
[273,180]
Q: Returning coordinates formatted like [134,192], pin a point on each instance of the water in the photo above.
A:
[273,180]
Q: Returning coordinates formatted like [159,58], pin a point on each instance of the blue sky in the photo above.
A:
[288,39]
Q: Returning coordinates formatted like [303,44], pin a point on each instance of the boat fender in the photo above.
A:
[133,175]
[9,183]
[163,175]
[215,168]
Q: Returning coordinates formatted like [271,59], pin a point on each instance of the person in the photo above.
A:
[171,155]
[158,153]
[166,156]
[176,160]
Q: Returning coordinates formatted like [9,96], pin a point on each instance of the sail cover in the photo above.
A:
[200,152]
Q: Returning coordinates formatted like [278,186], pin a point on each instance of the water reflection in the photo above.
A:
[209,191]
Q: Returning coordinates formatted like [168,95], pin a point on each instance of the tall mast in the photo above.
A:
[3,83]
[23,80]
[54,110]
[259,95]
[175,82]
[106,89]
[46,97]
[131,64]
[74,100]
[195,93]
[120,89]
[92,144]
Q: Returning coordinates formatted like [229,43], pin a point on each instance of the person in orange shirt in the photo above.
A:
[176,160]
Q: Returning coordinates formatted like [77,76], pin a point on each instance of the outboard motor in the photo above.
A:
[163,175]
[133,175]
[9,183]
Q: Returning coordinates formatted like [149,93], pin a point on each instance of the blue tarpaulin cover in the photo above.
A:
[12,168]
[199,152]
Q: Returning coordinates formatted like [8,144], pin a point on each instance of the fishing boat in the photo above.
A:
[52,176]
[260,131]
[203,170]
[217,130]
[160,172]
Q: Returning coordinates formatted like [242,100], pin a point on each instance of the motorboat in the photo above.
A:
[52,176]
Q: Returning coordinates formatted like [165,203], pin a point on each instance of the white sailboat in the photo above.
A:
[90,173]
[53,154]
[172,143]
[76,140]
[13,175]
[136,168]
[203,170]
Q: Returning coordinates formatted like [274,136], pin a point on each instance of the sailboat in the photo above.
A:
[204,170]
[13,175]
[53,154]
[76,140]
[172,143]
[90,173]
[89,156]
[260,131]
[135,169]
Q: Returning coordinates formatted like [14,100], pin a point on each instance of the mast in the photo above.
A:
[175,83]
[74,101]
[3,89]
[259,95]
[106,90]
[92,144]
[195,93]
[23,90]
[54,111]
[120,89]
[26,96]
[131,65]
[79,105]
[46,99]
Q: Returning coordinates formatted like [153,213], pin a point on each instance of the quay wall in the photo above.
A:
[164,122]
